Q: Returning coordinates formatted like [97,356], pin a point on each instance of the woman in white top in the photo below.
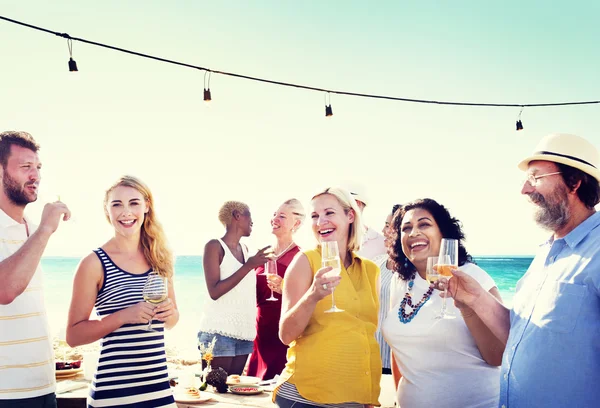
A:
[444,362]
[230,313]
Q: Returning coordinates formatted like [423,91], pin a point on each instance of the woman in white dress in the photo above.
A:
[444,362]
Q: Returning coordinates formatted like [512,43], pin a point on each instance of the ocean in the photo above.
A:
[190,291]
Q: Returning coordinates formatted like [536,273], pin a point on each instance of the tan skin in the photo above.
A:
[302,292]
[24,168]
[124,205]
[421,238]
[240,226]
[283,224]
[466,291]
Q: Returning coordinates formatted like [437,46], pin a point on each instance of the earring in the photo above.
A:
[405,263]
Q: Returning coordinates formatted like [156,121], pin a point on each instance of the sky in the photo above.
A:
[262,144]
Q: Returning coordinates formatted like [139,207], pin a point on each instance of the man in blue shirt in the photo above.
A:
[552,334]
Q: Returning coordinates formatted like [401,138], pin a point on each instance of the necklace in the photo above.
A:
[402,315]
[284,251]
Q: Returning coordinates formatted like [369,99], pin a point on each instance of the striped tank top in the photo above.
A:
[132,369]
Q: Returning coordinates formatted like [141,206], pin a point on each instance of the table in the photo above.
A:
[77,398]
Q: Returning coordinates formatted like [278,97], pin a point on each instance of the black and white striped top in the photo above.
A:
[132,369]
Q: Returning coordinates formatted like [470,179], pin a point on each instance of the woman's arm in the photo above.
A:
[167,311]
[211,261]
[490,347]
[396,374]
[300,296]
[80,329]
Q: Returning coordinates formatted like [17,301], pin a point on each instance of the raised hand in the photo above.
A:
[261,257]
[52,214]
[463,288]
[322,285]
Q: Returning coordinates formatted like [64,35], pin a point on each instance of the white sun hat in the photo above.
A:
[567,149]
[358,192]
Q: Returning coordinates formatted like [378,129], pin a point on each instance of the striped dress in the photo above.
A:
[132,370]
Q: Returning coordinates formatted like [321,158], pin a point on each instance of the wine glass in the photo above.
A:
[431,273]
[330,256]
[271,269]
[155,291]
[448,259]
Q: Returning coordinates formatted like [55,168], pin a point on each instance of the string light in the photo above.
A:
[328,110]
[207,96]
[72,63]
[519,123]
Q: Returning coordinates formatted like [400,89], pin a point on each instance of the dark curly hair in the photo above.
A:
[450,227]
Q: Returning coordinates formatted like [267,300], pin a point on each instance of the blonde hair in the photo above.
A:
[152,236]
[348,203]
[297,210]
[228,208]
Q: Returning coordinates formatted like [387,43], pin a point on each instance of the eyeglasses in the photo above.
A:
[533,180]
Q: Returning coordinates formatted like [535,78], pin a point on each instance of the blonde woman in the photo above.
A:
[333,359]
[269,354]
[132,369]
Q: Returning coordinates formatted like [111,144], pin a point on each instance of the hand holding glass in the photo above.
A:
[271,269]
[330,256]
[155,291]
[447,260]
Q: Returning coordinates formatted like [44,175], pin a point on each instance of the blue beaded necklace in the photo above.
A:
[402,315]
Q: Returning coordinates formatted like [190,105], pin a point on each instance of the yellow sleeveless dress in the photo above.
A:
[337,358]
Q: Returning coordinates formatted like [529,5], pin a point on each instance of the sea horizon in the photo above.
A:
[191,293]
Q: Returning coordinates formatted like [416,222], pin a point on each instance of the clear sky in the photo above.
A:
[262,143]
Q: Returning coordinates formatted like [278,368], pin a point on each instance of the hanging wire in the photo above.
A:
[288,84]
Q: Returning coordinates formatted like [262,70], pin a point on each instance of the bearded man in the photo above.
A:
[26,355]
[552,334]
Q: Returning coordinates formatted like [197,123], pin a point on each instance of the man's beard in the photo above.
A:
[15,192]
[552,213]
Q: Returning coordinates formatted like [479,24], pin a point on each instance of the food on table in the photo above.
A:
[218,379]
[192,392]
[235,379]
[67,365]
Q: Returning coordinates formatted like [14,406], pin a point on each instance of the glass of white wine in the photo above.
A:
[330,256]
[155,291]
[271,269]
[431,274]
[448,260]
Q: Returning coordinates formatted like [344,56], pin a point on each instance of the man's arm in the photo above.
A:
[17,270]
[466,291]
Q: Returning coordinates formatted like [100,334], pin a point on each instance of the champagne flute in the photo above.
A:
[431,274]
[330,256]
[271,269]
[155,292]
[448,259]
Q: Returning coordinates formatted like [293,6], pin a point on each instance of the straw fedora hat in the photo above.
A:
[567,149]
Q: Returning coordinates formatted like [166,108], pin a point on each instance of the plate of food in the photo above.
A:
[190,395]
[242,380]
[66,369]
[245,389]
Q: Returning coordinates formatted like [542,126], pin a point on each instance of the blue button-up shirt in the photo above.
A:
[552,357]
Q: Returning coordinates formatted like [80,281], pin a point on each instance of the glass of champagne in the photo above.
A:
[155,291]
[448,259]
[271,269]
[431,274]
[330,256]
